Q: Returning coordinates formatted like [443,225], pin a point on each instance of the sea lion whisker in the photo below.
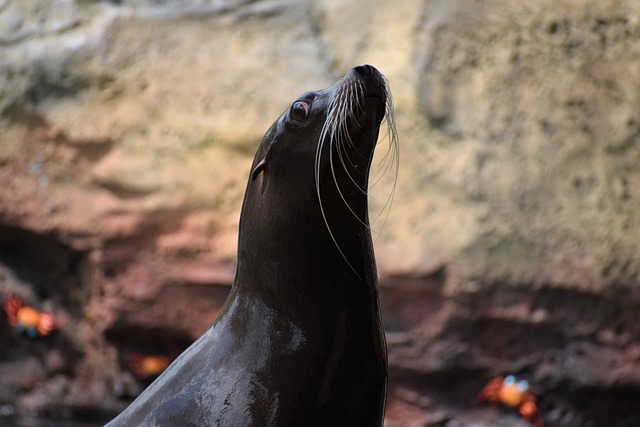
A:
[342,154]
[388,202]
[356,108]
[322,211]
[338,138]
[335,132]
[348,110]
[388,161]
[344,134]
[392,154]
[386,208]
[339,134]
[335,180]
[391,159]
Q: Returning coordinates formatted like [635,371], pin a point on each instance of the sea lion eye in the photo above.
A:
[299,110]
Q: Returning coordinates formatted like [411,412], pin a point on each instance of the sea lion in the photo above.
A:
[300,340]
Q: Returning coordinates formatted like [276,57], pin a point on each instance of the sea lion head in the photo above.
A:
[339,125]
[318,154]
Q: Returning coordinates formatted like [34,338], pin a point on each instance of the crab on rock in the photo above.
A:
[27,319]
[147,367]
[514,394]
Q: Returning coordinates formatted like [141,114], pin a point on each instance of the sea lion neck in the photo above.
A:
[300,256]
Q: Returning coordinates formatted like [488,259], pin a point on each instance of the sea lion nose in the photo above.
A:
[366,70]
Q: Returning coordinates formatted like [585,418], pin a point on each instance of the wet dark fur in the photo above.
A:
[300,340]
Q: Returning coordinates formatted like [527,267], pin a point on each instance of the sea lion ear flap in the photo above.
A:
[260,167]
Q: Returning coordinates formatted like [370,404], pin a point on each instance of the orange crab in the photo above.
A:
[27,319]
[513,394]
[148,367]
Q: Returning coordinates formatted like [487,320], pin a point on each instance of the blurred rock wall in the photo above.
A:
[127,129]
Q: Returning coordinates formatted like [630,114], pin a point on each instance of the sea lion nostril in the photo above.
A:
[365,70]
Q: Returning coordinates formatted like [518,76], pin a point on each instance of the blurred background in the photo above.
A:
[127,128]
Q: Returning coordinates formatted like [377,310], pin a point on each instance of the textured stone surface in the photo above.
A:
[126,133]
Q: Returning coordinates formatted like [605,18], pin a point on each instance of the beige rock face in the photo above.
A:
[127,130]
[535,132]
